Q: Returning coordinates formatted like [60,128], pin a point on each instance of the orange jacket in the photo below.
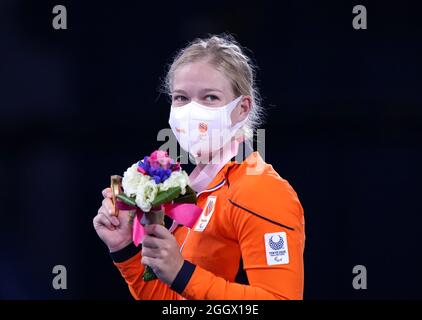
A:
[247,244]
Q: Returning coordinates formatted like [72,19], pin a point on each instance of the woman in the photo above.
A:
[249,241]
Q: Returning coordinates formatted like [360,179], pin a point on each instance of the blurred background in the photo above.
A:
[344,127]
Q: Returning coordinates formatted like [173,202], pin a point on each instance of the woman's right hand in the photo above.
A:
[116,232]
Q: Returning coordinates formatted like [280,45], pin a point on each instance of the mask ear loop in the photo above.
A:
[231,106]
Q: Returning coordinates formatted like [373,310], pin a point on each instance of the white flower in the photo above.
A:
[146,193]
[176,179]
[131,180]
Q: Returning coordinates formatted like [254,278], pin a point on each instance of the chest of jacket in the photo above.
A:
[212,242]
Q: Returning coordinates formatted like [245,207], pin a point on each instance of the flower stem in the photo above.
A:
[152,217]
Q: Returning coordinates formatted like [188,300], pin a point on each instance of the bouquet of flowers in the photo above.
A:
[154,187]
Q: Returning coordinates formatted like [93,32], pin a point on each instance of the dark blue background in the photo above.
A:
[344,127]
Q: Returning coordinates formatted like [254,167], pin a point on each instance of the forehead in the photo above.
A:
[200,74]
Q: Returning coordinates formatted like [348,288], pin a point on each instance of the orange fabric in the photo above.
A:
[234,232]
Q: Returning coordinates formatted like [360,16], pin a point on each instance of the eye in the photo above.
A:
[179,98]
[211,98]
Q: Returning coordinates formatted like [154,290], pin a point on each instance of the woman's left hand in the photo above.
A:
[161,252]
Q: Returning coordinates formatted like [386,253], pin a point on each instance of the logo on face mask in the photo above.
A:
[203,127]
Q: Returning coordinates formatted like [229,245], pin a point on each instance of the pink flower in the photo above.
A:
[166,163]
[141,170]
[161,159]
[158,154]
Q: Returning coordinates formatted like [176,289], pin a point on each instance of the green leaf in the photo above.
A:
[166,196]
[189,190]
[128,200]
[149,274]
[186,198]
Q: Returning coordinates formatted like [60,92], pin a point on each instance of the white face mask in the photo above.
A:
[202,130]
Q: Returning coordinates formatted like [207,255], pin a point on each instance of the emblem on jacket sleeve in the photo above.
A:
[276,248]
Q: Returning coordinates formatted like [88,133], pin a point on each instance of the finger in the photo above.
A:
[109,211]
[108,204]
[152,262]
[113,220]
[153,242]
[107,193]
[152,253]
[158,230]
[100,220]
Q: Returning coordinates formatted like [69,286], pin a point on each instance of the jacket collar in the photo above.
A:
[223,175]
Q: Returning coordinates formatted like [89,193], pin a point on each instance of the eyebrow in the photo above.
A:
[179,91]
[211,89]
[203,91]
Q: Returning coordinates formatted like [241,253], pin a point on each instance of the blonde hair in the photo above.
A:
[227,56]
